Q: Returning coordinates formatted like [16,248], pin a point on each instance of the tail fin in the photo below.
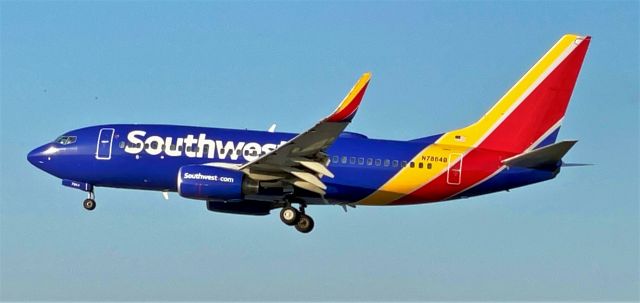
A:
[530,113]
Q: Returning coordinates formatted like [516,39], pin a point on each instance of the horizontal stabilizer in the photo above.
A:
[544,157]
[575,164]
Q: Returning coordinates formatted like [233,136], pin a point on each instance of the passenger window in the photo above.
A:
[369,161]
[121,144]
[154,145]
[179,148]
[428,165]
[336,159]
[146,145]
[352,160]
[205,149]
[395,163]
[344,159]
[404,163]
[420,165]
[387,162]
[378,162]
[411,164]
[360,161]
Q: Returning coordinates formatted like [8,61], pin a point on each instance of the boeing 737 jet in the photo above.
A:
[253,172]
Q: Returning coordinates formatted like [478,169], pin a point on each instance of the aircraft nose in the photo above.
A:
[34,155]
[38,156]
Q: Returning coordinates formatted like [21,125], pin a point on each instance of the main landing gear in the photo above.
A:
[90,202]
[291,216]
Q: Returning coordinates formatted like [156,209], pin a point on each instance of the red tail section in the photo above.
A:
[529,112]
[533,107]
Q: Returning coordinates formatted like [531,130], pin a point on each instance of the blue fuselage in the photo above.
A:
[149,156]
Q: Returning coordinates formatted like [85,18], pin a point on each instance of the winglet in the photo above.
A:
[349,105]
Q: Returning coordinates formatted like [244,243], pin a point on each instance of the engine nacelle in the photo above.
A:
[211,183]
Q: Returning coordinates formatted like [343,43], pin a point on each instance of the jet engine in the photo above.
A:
[212,183]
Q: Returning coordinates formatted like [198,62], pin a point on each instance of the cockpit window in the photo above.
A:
[66,140]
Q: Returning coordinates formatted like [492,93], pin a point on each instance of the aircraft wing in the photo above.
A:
[302,161]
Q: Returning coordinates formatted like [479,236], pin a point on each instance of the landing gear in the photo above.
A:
[305,224]
[90,202]
[293,217]
[289,215]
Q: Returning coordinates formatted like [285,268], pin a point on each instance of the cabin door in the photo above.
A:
[105,140]
[454,169]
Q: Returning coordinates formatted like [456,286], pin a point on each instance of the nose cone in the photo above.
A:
[40,155]
[34,156]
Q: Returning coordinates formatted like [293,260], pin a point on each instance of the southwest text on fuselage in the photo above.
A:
[195,147]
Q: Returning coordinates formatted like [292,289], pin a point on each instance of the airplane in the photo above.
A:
[253,172]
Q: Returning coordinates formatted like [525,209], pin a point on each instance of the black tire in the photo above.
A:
[89,204]
[305,224]
[289,215]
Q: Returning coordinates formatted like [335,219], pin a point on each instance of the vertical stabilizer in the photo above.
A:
[532,110]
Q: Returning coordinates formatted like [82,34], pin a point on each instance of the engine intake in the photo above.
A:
[211,183]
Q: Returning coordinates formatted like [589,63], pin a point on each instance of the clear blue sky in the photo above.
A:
[435,65]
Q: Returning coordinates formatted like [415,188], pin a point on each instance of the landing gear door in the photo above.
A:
[105,140]
[454,171]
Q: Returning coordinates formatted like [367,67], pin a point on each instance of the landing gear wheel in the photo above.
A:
[89,204]
[305,224]
[289,215]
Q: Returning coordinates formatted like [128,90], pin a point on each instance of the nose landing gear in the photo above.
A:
[90,202]
[293,217]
